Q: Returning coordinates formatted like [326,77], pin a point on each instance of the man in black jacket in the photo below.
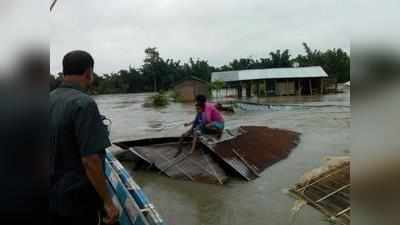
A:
[78,141]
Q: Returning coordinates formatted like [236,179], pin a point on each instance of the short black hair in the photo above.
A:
[77,62]
[201,99]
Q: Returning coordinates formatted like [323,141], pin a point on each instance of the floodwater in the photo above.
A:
[324,122]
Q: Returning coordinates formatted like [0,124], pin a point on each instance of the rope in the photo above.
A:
[52,5]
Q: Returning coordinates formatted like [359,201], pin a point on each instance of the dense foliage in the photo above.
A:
[158,74]
[158,100]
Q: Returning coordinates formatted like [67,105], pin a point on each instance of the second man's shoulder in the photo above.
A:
[72,98]
[85,101]
[77,98]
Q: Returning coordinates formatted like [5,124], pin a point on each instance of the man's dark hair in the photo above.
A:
[201,99]
[77,62]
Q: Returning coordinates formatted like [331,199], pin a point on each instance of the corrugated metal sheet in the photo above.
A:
[196,166]
[247,150]
[253,149]
[226,76]
[274,73]
[240,167]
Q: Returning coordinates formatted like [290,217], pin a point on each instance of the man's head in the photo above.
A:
[201,100]
[78,66]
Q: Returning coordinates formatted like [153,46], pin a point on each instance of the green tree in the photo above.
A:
[200,69]
[217,85]
[157,74]
[279,59]
[335,62]
[242,64]
[152,64]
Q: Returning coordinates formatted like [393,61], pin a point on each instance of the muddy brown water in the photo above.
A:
[323,121]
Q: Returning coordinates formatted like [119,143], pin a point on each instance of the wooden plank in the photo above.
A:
[287,87]
[322,86]
[258,88]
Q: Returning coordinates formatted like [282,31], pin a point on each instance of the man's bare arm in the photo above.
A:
[189,123]
[94,170]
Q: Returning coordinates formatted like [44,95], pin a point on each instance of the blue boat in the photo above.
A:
[135,206]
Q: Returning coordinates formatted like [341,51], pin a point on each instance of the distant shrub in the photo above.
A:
[175,96]
[158,100]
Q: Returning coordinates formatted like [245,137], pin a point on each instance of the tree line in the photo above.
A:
[159,74]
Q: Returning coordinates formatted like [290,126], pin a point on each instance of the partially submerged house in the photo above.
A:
[274,81]
[189,88]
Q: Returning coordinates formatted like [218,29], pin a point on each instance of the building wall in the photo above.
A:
[286,88]
[330,85]
[280,87]
[187,90]
[226,92]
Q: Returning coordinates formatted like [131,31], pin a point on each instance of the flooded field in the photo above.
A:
[323,121]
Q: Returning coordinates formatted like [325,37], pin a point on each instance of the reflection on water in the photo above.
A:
[324,122]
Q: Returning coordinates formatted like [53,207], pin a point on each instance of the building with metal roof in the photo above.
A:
[275,81]
[274,73]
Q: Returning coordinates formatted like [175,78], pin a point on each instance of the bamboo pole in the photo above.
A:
[343,212]
[333,193]
[322,178]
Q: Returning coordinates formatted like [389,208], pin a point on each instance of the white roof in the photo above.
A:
[274,73]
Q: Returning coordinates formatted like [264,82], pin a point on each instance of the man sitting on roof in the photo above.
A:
[213,119]
[208,120]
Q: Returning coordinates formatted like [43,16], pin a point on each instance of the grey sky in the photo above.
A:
[24,25]
[117,32]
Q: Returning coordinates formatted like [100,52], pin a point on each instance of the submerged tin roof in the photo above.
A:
[247,151]
[162,153]
[273,73]
[251,149]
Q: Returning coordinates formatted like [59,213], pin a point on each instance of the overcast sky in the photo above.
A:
[117,32]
